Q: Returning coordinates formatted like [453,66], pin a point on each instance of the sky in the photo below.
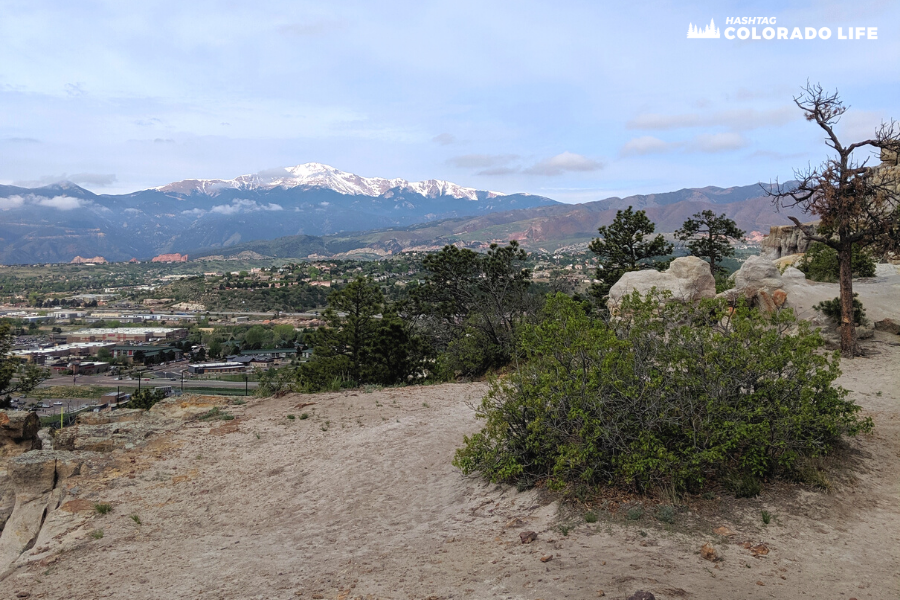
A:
[573,100]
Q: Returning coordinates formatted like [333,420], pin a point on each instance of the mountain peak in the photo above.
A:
[319,175]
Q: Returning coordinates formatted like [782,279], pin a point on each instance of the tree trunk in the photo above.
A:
[849,347]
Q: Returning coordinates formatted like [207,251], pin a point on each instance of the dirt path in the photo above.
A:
[360,500]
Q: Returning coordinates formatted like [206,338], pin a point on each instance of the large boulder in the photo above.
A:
[758,273]
[759,282]
[688,278]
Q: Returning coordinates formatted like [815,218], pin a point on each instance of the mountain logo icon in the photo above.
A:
[711,31]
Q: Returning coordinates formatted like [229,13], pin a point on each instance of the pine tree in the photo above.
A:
[624,246]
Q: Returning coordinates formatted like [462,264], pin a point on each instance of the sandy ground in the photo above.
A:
[360,501]
[880,294]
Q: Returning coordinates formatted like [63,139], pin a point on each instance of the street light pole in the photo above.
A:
[246,385]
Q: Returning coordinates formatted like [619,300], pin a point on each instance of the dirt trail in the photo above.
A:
[360,500]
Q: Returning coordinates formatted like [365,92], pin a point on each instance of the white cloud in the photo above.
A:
[565,162]
[61,202]
[194,212]
[647,144]
[11,202]
[57,202]
[239,205]
[718,142]
[742,119]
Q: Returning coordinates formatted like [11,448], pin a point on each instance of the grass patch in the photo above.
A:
[136,519]
[102,508]
[97,534]
[766,517]
[216,414]
[590,517]
[304,416]
[666,514]
[291,417]
[634,513]
[69,391]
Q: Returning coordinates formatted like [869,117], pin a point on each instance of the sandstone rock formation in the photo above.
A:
[39,506]
[788,261]
[785,240]
[760,283]
[888,325]
[169,258]
[18,432]
[688,278]
[39,481]
[97,260]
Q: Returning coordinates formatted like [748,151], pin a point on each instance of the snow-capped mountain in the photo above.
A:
[317,175]
[43,225]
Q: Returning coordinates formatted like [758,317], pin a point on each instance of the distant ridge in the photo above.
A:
[55,223]
[540,228]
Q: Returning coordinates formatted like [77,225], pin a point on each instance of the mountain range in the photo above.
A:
[315,209]
[57,222]
[548,228]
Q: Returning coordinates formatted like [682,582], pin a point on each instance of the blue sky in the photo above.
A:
[573,100]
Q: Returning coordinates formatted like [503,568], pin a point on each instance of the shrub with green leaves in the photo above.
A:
[145,398]
[832,310]
[664,394]
[821,263]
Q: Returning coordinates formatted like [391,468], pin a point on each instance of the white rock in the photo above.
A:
[688,278]
[758,273]
[794,276]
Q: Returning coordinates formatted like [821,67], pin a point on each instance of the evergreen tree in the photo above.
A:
[624,246]
[709,237]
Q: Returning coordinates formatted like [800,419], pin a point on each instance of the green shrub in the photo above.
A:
[832,310]
[666,514]
[215,414]
[102,508]
[634,513]
[663,396]
[590,517]
[821,263]
[145,398]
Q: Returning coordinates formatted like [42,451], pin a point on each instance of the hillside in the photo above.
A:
[548,227]
[360,501]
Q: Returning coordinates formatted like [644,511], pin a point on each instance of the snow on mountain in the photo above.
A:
[318,175]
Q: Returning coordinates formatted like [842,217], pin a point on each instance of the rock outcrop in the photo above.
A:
[760,283]
[785,240]
[18,435]
[97,260]
[18,432]
[39,480]
[688,279]
[888,325]
[170,258]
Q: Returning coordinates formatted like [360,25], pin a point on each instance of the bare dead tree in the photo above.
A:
[857,205]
